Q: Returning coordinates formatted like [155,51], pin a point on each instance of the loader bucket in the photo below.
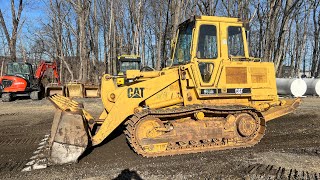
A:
[52,89]
[91,91]
[70,134]
[74,90]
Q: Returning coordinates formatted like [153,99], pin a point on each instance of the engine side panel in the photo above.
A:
[13,84]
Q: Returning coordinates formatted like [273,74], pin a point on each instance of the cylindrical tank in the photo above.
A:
[293,86]
[313,86]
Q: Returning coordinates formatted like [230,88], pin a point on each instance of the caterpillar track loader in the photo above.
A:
[211,96]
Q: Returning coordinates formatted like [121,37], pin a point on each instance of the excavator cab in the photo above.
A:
[212,96]
[23,70]
[17,81]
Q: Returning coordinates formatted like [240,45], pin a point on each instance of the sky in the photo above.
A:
[32,16]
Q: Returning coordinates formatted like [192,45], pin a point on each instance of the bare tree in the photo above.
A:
[316,43]
[12,40]
[207,7]
[82,8]
[283,31]
[94,41]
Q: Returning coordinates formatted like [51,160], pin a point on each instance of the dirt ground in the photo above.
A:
[290,149]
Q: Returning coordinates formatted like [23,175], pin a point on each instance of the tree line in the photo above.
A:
[86,36]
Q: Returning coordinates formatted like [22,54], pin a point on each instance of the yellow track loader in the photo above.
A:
[211,96]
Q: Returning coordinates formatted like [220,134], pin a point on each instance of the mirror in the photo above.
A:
[168,62]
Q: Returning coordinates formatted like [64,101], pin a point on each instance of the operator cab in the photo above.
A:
[205,42]
[208,41]
[23,70]
[129,62]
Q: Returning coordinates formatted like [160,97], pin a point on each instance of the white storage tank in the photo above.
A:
[291,86]
[313,86]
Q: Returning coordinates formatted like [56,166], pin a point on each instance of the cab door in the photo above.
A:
[236,71]
[207,55]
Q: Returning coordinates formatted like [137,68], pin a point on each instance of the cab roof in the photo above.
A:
[212,19]
[129,58]
[218,19]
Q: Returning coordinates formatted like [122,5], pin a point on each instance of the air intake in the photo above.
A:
[6,83]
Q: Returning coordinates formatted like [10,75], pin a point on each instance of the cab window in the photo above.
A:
[235,41]
[182,51]
[207,42]
[129,65]
[206,70]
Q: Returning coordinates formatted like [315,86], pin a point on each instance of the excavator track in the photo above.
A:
[188,145]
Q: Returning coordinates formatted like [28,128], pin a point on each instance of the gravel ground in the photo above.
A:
[289,150]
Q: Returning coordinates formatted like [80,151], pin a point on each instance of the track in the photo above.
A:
[200,146]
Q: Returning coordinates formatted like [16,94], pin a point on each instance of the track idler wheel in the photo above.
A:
[69,137]
[246,124]
[147,130]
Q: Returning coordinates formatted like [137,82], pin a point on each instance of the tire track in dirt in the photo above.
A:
[12,166]
[16,165]
[309,151]
[18,141]
[263,171]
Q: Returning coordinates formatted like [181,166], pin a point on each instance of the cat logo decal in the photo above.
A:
[135,92]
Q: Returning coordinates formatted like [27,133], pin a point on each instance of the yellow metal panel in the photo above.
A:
[168,93]
[125,103]
[120,81]
[218,19]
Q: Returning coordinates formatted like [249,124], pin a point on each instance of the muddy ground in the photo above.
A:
[289,150]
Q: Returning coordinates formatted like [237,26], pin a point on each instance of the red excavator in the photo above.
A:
[20,80]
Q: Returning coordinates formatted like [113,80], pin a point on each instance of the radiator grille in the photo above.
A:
[6,83]
[236,75]
[258,75]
